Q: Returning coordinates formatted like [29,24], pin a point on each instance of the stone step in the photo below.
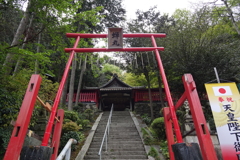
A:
[90,157]
[119,142]
[117,138]
[117,159]
[131,134]
[124,142]
[121,119]
[117,146]
[119,133]
[137,148]
[116,129]
[117,152]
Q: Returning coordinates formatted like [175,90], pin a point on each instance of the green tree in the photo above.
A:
[229,11]
[192,46]
[144,63]
[140,80]
[109,70]
[113,14]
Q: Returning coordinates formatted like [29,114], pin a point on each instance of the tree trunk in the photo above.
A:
[80,81]
[229,10]
[23,46]
[38,50]
[149,94]
[71,85]
[7,65]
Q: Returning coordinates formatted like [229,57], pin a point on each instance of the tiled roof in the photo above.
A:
[115,84]
[115,89]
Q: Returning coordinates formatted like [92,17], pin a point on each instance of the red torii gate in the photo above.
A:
[170,117]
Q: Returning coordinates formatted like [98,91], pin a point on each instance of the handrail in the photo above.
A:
[106,133]
[66,152]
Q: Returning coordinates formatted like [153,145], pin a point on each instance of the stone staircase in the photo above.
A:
[124,142]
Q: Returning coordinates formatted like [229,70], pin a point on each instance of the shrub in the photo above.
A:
[158,128]
[5,134]
[66,120]
[71,134]
[70,126]
[154,153]
[164,149]
[89,114]
[147,138]
[85,123]
[146,119]
[78,108]
[212,124]
[73,116]
[81,116]
[79,122]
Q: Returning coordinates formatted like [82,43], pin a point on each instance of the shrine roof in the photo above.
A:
[115,84]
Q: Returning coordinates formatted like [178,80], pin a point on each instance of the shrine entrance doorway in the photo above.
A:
[116,92]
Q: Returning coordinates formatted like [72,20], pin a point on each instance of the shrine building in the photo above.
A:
[117,92]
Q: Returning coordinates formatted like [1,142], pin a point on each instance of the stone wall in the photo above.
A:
[91,106]
[144,108]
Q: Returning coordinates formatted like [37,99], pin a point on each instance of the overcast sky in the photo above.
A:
[164,6]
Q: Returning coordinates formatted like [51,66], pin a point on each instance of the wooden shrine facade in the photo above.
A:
[118,93]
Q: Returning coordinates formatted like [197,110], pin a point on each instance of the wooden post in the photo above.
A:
[20,129]
[169,131]
[199,120]
[57,133]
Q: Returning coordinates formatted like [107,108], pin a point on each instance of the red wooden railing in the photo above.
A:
[85,97]
[88,97]
[143,96]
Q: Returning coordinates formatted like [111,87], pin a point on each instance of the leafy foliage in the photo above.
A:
[84,123]
[164,148]
[5,134]
[158,128]
[193,47]
[39,49]
[154,153]
[146,119]
[112,13]
[109,70]
[78,136]
[147,138]
[140,80]
[12,91]
[70,126]
[73,116]
[89,114]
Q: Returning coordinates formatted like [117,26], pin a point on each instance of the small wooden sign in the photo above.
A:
[115,38]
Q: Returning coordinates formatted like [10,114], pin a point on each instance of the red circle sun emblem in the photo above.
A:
[222,90]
